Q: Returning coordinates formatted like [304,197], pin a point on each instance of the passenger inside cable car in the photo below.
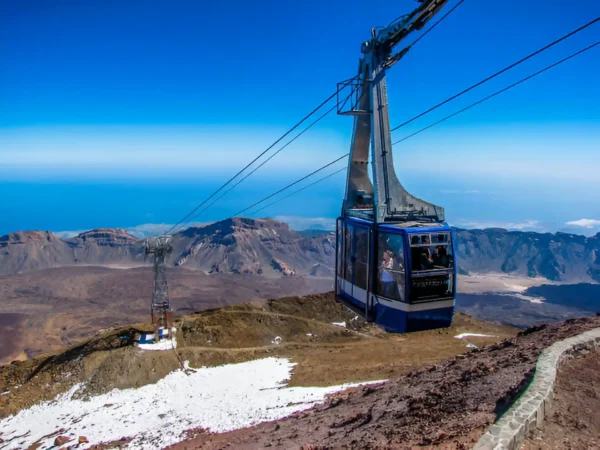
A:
[392,275]
[432,263]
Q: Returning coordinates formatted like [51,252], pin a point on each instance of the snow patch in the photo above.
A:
[339,324]
[163,344]
[218,399]
[464,335]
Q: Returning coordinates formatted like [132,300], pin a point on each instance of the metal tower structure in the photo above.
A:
[384,199]
[162,314]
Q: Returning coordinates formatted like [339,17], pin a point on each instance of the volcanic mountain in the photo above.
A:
[25,251]
[254,246]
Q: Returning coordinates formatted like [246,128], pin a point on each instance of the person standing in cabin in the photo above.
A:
[386,277]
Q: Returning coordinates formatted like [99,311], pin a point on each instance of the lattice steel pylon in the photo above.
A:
[162,314]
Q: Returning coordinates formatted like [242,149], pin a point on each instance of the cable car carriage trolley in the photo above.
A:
[395,255]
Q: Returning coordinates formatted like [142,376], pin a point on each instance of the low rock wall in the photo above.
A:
[531,408]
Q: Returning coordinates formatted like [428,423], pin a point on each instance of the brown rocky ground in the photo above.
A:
[446,405]
[12,329]
[574,421]
[330,355]
[62,306]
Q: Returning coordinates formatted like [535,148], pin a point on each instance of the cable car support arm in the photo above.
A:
[385,199]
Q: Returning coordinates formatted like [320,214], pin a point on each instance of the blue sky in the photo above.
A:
[123,113]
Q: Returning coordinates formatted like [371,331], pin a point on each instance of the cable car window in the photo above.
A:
[432,251]
[440,238]
[391,273]
[348,232]
[361,250]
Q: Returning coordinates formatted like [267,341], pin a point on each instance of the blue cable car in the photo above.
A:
[400,275]
[395,261]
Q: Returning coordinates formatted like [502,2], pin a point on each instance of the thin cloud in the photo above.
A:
[306,223]
[527,225]
[585,223]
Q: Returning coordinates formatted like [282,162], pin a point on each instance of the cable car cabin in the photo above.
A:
[400,275]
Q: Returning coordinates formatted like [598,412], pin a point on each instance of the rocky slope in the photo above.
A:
[304,330]
[559,256]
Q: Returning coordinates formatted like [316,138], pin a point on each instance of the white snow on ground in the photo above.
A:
[163,344]
[218,399]
[339,324]
[464,335]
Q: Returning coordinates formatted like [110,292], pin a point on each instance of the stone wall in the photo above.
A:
[531,408]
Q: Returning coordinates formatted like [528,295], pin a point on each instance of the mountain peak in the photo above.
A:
[229,226]
[117,234]
[27,236]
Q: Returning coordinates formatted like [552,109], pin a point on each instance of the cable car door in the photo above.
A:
[352,259]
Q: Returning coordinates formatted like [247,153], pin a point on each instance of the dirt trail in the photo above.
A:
[447,405]
[574,421]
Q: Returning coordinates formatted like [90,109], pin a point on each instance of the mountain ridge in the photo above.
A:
[271,248]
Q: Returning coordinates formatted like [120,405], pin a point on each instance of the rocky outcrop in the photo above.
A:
[110,237]
[282,267]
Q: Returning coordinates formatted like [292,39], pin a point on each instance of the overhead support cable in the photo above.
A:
[182,221]
[329,111]
[485,80]
[498,92]
[290,185]
[343,169]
